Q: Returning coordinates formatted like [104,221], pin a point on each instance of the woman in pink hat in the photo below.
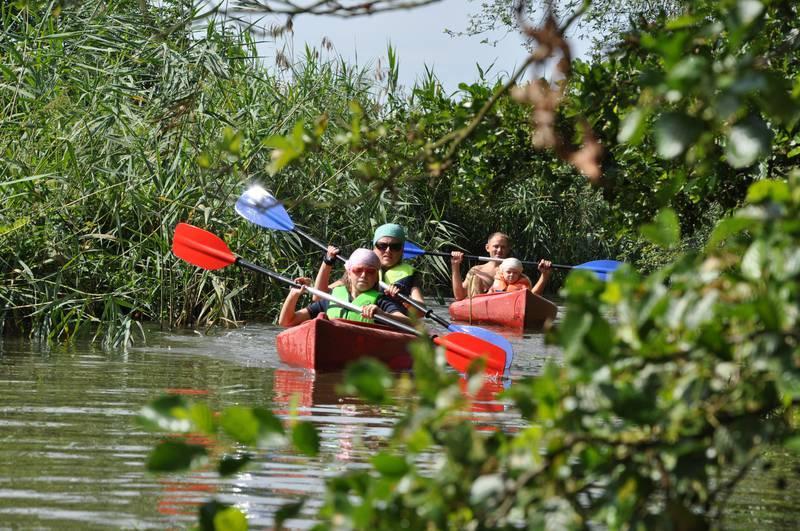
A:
[360,287]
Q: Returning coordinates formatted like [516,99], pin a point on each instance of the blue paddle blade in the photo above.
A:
[489,336]
[258,206]
[602,268]
[412,250]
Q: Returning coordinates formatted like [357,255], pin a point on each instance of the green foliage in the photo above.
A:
[117,126]
[244,426]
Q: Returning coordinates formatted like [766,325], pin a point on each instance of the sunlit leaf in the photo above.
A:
[665,229]
[675,133]
[747,141]
[230,519]
[778,191]
[240,423]
[754,260]
[168,413]
[633,126]
[748,10]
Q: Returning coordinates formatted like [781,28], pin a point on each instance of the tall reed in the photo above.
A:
[116,126]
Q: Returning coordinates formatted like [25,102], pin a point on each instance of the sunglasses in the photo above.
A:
[358,271]
[382,246]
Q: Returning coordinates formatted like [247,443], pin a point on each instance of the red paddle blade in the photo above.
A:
[201,248]
[461,349]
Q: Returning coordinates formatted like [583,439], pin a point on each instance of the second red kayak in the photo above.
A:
[515,309]
[324,344]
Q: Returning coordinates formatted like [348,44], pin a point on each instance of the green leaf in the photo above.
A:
[633,126]
[172,456]
[777,191]
[793,444]
[240,423]
[748,11]
[230,464]
[754,260]
[270,427]
[665,230]
[202,418]
[230,519]
[306,438]
[252,426]
[675,133]
[726,228]
[369,379]
[747,141]
[288,511]
[393,466]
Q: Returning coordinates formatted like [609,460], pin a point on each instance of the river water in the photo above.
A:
[72,455]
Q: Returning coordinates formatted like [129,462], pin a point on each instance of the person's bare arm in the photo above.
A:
[545,270]
[459,285]
[289,316]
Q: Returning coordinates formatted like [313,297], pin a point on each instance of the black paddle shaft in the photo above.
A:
[489,259]
[427,312]
[379,318]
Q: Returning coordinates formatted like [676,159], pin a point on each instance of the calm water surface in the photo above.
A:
[72,455]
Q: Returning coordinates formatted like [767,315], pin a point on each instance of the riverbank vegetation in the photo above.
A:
[118,123]
[676,151]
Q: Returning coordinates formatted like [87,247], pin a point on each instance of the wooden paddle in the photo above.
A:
[603,268]
[260,207]
[206,250]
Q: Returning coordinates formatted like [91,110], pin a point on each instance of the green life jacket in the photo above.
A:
[337,312]
[397,273]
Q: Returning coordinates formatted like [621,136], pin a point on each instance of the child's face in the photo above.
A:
[511,276]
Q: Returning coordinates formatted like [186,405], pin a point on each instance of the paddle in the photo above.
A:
[258,206]
[206,250]
[603,268]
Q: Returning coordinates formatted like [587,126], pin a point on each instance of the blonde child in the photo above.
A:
[509,276]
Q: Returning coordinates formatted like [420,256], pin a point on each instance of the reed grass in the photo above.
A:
[116,126]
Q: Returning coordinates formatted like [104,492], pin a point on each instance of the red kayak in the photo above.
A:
[516,309]
[324,344]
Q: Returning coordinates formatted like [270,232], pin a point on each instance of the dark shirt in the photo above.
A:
[384,303]
[406,285]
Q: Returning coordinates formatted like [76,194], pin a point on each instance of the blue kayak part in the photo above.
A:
[262,208]
[488,336]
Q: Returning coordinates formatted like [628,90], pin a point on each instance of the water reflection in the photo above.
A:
[72,455]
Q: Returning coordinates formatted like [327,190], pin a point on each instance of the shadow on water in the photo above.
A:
[72,455]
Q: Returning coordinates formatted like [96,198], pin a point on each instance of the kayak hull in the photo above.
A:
[517,309]
[327,345]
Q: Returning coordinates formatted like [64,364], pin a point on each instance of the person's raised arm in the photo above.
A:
[545,270]
[459,284]
[324,273]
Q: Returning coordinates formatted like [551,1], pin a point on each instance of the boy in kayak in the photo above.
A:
[388,243]
[510,277]
[360,286]
[480,278]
